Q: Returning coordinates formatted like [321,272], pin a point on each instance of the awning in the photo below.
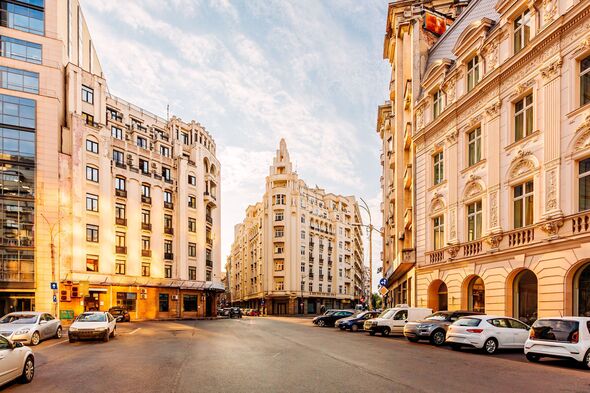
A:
[399,272]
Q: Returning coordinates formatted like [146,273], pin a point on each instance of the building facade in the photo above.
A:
[114,204]
[299,249]
[500,132]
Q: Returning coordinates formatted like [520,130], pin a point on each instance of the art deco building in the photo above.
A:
[500,133]
[116,205]
[297,250]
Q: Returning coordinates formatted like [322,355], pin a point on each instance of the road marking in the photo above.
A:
[134,331]
[276,354]
[53,345]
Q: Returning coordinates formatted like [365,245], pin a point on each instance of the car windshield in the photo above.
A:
[555,329]
[92,318]
[388,313]
[21,319]
[467,322]
[439,316]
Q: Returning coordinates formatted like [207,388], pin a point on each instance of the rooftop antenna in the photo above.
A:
[168,112]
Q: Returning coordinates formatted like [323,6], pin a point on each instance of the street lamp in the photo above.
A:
[370,229]
[53,234]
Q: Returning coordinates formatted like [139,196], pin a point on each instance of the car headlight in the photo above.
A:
[73,329]
[100,329]
[425,326]
[22,331]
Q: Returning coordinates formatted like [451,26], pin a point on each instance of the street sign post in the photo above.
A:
[383,291]
[383,282]
[54,285]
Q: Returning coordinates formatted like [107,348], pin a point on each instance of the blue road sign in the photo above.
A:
[54,298]
[53,285]
[383,282]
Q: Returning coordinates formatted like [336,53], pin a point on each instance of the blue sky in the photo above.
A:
[251,72]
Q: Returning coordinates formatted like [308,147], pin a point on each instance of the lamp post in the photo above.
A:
[52,235]
[370,229]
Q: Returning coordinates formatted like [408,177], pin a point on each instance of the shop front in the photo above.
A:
[16,301]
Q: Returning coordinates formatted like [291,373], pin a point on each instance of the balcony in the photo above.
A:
[330,278]
[120,164]
[209,241]
[120,250]
[408,218]
[121,193]
[121,221]
[209,220]
[146,199]
[209,263]
[169,231]
[209,196]
[146,253]
[168,205]
[169,255]
[146,226]
[408,177]
[321,277]
[311,276]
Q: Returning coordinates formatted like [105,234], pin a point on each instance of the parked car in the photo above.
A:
[92,325]
[235,312]
[121,314]
[355,321]
[487,332]
[18,361]
[330,319]
[562,337]
[30,327]
[434,327]
[394,319]
[254,313]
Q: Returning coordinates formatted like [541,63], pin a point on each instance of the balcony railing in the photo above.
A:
[169,231]
[146,226]
[209,241]
[121,193]
[146,199]
[146,253]
[209,263]
[209,219]
[121,250]
[168,255]
[168,205]
[120,221]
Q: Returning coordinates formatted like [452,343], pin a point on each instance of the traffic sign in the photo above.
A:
[54,298]
[383,282]
[53,285]
[383,291]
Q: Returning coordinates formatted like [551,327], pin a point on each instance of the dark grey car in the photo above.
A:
[434,327]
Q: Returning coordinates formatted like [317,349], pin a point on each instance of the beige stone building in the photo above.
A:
[298,249]
[501,123]
[127,201]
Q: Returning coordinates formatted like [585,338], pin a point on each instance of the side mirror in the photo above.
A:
[17,344]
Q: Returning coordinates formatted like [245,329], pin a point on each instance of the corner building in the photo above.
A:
[123,204]
[298,249]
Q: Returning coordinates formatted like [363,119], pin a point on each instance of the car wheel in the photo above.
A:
[372,332]
[587,360]
[437,338]
[354,328]
[456,347]
[413,339]
[58,332]
[532,357]
[321,323]
[490,346]
[114,333]
[385,332]
[106,337]
[35,339]
[28,370]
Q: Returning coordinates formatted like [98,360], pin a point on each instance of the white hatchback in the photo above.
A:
[560,337]
[16,361]
[487,332]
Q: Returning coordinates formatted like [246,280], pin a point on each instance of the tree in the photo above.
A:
[377,301]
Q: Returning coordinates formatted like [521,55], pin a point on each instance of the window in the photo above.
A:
[167,197]
[120,183]
[302,219]
[474,147]
[310,287]
[189,302]
[92,202]
[585,81]
[92,263]
[279,232]
[167,246]
[117,133]
[279,216]
[145,190]
[438,167]
[474,221]
[192,202]
[184,137]
[168,223]
[168,271]
[163,303]
[438,226]
[522,31]
[472,73]
[142,142]
[192,180]
[144,166]
[91,146]
[120,239]
[166,173]
[146,243]
[113,115]
[92,174]
[19,80]
[16,111]
[279,265]
[303,268]
[208,275]
[192,249]
[92,233]
[145,269]
[279,284]
[302,251]
[145,216]
[25,16]
[523,204]
[87,94]
[20,50]
[119,266]
[192,273]
[302,234]
[320,289]
[437,103]
[165,151]
[584,185]
[88,119]
[192,225]
[523,118]
[279,199]
[118,157]
[119,211]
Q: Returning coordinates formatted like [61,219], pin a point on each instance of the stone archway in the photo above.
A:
[525,291]
[473,294]
[438,298]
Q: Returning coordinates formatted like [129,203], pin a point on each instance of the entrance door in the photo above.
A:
[92,302]
[208,304]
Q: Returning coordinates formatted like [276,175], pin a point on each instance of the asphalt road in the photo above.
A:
[282,355]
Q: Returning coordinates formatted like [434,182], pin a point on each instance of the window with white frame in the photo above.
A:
[584,184]
[585,81]
[522,30]
[438,167]
[279,265]
[279,232]
[474,146]
[523,117]
[474,219]
[117,133]
[438,231]
[279,284]
[279,215]
[437,103]
[523,204]
[472,73]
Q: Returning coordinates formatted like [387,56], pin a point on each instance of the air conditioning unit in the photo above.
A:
[64,296]
[75,291]
[174,297]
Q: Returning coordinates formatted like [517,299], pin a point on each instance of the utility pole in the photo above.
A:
[53,234]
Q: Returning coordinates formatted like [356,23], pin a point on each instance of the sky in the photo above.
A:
[253,72]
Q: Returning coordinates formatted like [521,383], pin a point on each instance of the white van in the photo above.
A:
[394,319]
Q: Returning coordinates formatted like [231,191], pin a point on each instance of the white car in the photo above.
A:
[560,337]
[93,324]
[487,332]
[16,361]
[394,319]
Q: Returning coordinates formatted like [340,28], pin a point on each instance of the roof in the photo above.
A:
[476,10]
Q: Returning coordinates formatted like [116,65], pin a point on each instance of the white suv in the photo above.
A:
[560,337]
[394,319]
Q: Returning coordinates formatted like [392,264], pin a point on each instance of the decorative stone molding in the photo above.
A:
[551,196]
[549,10]
[437,205]
[494,240]
[453,251]
[490,54]
[453,231]
[420,118]
[493,109]
[494,210]
[473,188]
[552,70]
[552,228]
[449,89]
[583,138]
[522,87]
[452,135]
[522,164]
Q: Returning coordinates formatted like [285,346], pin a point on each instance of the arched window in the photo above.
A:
[525,297]
[438,296]
[476,295]
[582,292]
[443,297]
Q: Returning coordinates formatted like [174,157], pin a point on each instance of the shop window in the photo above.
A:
[189,303]
[164,304]
[127,300]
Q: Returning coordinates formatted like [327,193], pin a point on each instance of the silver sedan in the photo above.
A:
[30,327]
